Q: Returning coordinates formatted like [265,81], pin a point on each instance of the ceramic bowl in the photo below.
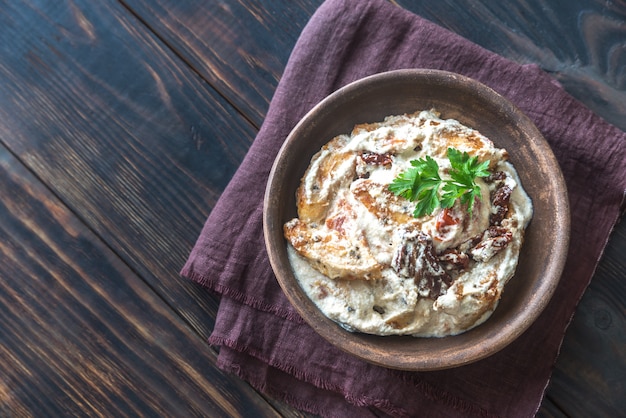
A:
[477,106]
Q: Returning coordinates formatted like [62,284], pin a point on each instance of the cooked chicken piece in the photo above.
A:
[330,170]
[337,248]
[382,203]
[455,135]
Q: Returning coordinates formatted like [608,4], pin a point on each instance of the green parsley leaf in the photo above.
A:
[463,175]
[422,182]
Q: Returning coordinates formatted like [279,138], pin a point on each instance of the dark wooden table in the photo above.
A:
[120,124]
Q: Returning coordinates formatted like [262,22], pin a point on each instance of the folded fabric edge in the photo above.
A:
[291,370]
[429,391]
[244,299]
[298,377]
[279,385]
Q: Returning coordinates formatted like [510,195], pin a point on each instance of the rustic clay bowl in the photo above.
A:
[475,105]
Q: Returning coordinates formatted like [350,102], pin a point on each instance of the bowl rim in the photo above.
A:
[364,347]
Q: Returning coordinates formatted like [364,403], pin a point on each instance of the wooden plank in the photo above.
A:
[239,47]
[82,335]
[132,140]
[124,133]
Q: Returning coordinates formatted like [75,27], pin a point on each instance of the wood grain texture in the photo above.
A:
[125,134]
[133,116]
[82,334]
[239,47]
[135,143]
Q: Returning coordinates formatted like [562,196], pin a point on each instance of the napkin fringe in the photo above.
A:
[264,387]
[290,369]
[303,403]
[383,405]
[360,400]
[429,391]
[435,394]
[258,304]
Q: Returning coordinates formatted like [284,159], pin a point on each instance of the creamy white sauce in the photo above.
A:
[386,303]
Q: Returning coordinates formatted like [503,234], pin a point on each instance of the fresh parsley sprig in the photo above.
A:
[421,182]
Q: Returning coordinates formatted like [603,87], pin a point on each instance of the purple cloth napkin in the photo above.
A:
[261,337]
